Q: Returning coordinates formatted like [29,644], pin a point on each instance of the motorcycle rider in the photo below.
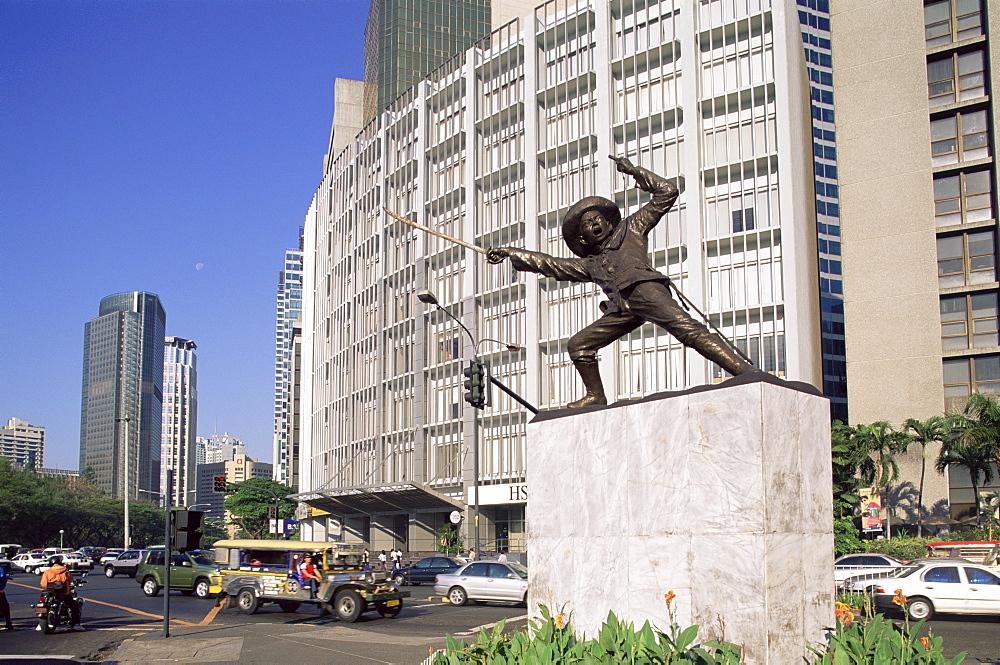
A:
[57,572]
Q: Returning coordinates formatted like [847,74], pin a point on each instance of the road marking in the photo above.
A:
[121,607]
[211,613]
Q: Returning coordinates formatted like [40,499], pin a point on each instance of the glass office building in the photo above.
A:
[405,40]
[122,404]
[288,329]
[493,147]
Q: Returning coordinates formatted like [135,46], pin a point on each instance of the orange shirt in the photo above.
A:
[57,574]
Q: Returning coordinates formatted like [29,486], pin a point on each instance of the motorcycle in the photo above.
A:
[52,609]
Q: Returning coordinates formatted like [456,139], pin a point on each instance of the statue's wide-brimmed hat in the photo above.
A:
[571,222]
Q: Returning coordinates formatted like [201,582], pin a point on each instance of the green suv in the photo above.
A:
[190,573]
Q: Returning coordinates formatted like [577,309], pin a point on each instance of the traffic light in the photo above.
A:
[271,513]
[475,384]
[186,530]
[219,484]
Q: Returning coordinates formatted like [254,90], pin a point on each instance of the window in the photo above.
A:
[966,259]
[960,137]
[962,198]
[743,220]
[977,576]
[946,21]
[948,575]
[965,69]
[960,314]
[963,375]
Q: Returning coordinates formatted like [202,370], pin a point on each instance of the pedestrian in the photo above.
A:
[502,557]
[4,605]
[295,569]
[381,559]
[613,252]
[364,557]
[397,555]
[472,554]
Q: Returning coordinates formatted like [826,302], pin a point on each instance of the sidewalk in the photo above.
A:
[314,641]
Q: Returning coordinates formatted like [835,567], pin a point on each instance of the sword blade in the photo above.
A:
[427,229]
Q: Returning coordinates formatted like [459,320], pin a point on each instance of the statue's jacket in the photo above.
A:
[622,260]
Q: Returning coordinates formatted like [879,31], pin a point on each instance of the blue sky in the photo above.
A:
[162,146]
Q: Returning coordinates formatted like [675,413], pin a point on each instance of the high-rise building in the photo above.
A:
[288,331]
[120,423]
[814,19]
[918,182]
[180,419]
[23,444]
[493,147]
[406,41]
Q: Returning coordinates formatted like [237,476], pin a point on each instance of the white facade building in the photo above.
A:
[180,419]
[493,148]
[23,444]
[219,448]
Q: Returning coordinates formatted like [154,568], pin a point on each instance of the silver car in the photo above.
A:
[505,581]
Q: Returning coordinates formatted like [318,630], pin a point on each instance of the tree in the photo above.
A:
[249,507]
[845,467]
[976,457]
[876,446]
[924,432]
[979,422]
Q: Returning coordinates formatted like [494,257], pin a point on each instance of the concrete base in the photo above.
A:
[722,496]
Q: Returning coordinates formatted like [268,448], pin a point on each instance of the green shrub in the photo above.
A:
[550,640]
[901,548]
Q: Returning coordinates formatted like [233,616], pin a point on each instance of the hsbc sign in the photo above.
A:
[491,495]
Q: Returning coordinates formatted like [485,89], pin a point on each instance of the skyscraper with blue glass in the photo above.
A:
[122,403]
[814,19]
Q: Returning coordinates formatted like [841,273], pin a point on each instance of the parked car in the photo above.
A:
[851,565]
[189,572]
[484,580]
[425,570]
[28,561]
[976,551]
[946,586]
[125,564]
[110,554]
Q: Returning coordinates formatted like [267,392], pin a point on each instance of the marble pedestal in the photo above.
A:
[722,496]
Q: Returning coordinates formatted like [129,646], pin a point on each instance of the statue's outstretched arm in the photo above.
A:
[572,270]
[664,192]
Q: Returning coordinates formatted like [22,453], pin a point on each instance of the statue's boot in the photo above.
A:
[718,351]
[591,375]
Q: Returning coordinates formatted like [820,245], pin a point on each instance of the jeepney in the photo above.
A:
[255,572]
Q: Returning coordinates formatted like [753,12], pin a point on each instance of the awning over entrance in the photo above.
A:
[371,499]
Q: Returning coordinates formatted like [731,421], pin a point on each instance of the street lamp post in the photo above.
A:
[61,532]
[127,532]
[428,298]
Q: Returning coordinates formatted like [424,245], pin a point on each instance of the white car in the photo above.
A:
[850,565]
[73,561]
[28,561]
[946,586]
[505,581]
[110,555]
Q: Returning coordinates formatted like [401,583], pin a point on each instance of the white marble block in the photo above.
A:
[722,496]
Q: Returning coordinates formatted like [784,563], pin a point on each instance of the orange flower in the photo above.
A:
[844,613]
[559,621]
[899,598]
[926,641]
[669,597]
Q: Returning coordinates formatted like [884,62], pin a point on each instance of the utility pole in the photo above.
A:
[168,551]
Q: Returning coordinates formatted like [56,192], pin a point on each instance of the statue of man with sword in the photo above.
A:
[614,253]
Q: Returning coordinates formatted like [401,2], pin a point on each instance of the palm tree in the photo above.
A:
[980,423]
[932,430]
[877,445]
[976,457]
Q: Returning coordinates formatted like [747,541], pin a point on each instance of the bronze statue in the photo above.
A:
[614,254]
